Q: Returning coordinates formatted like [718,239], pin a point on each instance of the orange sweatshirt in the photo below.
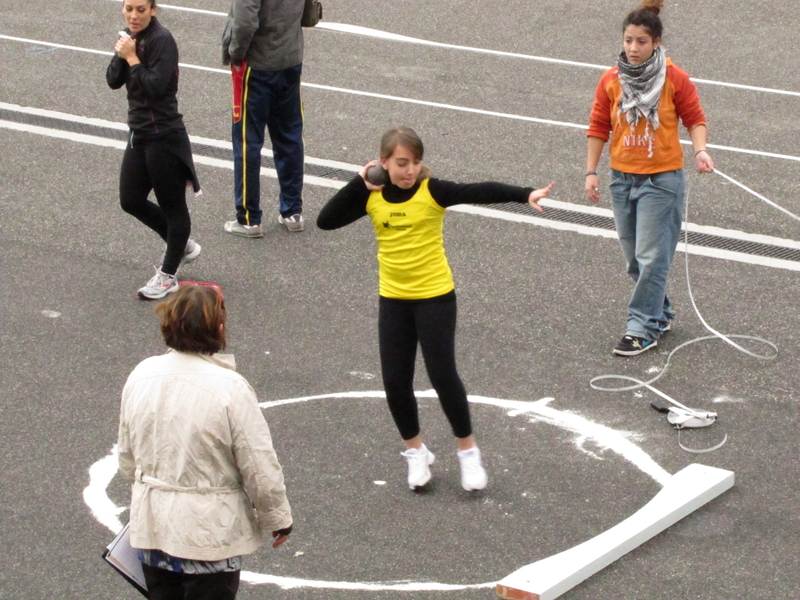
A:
[629,145]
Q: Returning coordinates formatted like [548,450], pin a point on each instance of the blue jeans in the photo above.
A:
[648,210]
[271,100]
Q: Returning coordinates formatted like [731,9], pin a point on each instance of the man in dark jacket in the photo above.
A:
[263,43]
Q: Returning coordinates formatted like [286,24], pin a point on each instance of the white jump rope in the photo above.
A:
[679,415]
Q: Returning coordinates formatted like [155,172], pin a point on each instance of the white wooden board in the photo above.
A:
[685,492]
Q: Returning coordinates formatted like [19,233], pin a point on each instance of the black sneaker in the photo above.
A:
[631,345]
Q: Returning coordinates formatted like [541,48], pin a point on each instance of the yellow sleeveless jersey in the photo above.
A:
[411,260]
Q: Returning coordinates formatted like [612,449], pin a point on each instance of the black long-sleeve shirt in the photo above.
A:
[350,203]
[152,85]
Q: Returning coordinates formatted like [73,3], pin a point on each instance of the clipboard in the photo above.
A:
[125,560]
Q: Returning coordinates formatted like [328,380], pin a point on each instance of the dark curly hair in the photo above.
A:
[647,16]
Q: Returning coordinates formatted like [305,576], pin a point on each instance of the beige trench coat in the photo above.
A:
[206,481]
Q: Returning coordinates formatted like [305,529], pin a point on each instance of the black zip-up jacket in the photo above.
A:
[152,85]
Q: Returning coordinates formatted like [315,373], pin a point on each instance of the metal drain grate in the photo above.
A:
[63,125]
[695,238]
[552,214]
[269,163]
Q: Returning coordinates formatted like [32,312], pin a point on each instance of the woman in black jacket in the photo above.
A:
[158,156]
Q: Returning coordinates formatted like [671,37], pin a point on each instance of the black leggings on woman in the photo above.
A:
[432,323]
[151,166]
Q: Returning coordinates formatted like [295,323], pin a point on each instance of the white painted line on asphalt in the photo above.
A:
[586,209]
[478,111]
[290,583]
[746,151]
[764,261]
[11,38]
[41,112]
[377,33]
[707,229]
[475,210]
[64,135]
[394,37]
[198,159]
[419,102]
[265,172]
[546,223]
[216,13]
[95,495]
[322,162]
[604,438]
[538,410]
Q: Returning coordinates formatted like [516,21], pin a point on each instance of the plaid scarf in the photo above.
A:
[641,90]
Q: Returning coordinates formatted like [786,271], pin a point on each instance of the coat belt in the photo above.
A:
[157,484]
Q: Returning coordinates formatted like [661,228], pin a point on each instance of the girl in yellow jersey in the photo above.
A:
[417,295]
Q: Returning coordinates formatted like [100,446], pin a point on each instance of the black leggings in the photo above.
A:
[432,323]
[150,166]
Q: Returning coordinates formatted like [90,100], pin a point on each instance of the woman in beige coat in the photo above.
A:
[207,484]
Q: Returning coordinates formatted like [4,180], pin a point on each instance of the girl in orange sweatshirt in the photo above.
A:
[638,104]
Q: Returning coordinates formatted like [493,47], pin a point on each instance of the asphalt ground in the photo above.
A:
[539,308]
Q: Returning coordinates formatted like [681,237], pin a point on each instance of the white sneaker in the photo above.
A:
[473,475]
[419,462]
[159,286]
[293,223]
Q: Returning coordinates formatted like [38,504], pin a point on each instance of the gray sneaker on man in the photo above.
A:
[293,223]
[250,231]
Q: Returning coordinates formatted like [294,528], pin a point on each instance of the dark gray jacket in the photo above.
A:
[266,33]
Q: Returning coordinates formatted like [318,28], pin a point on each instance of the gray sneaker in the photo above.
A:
[251,231]
[293,223]
[159,286]
[191,252]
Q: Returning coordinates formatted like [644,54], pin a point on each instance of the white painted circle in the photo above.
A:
[107,513]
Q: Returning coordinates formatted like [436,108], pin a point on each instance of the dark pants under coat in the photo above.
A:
[163,584]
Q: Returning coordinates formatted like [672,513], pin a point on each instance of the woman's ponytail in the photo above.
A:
[654,6]
[647,16]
